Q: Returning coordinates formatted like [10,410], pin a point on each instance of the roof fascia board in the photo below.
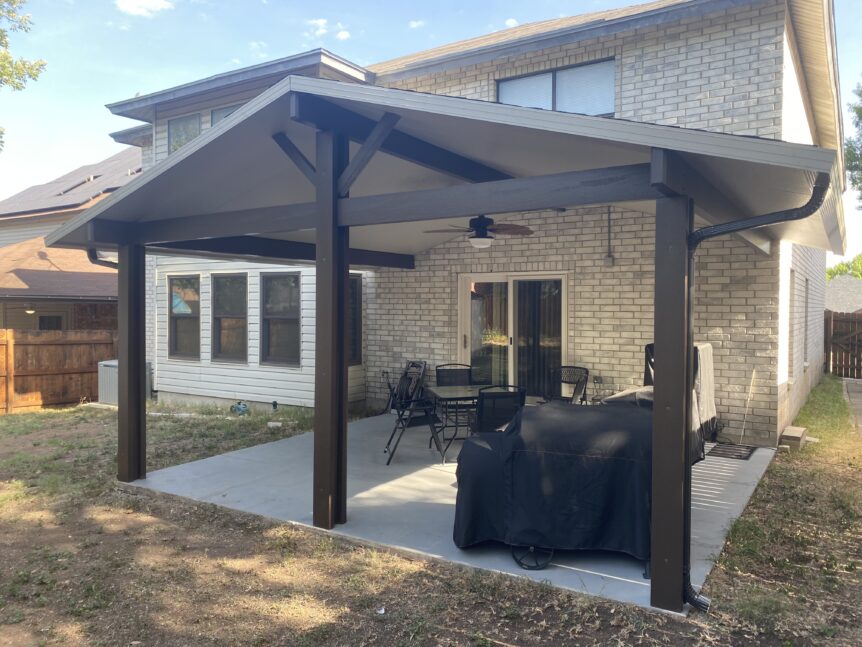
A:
[701,142]
[136,106]
[136,136]
[562,36]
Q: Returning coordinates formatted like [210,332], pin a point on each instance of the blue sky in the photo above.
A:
[100,51]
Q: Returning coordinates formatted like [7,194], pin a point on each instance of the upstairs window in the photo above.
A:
[184,327]
[280,319]
[585,89]
[354,320]
[220,113]
[182,130]
[230,317]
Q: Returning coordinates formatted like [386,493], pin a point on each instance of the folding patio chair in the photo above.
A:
[454,375]
[407,399]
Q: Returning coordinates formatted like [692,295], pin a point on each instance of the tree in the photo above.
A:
[14,72]
[853,267]
[853,144]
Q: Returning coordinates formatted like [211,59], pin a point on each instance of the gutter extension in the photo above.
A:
[818,195]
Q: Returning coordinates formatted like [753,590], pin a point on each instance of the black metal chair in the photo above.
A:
[576,376]
[496,406]
[454,375]
[407,399]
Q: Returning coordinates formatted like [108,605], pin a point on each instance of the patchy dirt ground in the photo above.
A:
[85,563]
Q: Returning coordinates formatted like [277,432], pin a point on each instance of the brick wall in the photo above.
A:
[610,309]
[721,73]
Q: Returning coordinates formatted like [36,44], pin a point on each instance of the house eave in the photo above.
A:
[385,71]
[143,107]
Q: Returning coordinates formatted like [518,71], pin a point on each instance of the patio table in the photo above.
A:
[457,396]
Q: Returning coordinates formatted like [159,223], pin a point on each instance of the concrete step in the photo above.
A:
[794,437]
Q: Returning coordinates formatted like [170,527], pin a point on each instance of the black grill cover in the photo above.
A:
[562,477]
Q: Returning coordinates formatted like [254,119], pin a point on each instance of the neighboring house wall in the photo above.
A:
[73,316]
[24,229]
[206,379]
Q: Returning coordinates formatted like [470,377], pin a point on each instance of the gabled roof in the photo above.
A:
[317,61]
[235,166]
[844,294]
[75,190]
[30,270]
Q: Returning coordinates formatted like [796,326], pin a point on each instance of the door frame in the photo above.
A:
[463,341]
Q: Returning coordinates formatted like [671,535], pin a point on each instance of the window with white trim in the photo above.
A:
[588,89]
[182,130]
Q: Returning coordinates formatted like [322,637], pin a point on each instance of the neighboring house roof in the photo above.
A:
[76,190]
[29,270]
[844,294]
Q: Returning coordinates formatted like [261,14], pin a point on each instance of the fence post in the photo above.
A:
[10,369]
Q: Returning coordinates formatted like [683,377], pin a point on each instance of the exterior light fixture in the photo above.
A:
[30,311]
[481,242]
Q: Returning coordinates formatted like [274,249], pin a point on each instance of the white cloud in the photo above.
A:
[343,35]
[319,26]
[145,8]
[258,48]
[416,24]
[511,22]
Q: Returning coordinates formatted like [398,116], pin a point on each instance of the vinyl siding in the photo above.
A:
[251,380]
[11,233]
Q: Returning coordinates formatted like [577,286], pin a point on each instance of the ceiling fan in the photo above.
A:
[481,229]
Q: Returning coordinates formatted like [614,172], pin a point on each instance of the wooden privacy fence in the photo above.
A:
[843,343]
[46,368]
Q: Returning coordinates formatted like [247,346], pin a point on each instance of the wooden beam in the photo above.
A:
[325,115]
[263,220]
[577,188]
[673,176]
[274,250]
[295,155]
[330,362]
[670,424]
[131,378]
[369,147]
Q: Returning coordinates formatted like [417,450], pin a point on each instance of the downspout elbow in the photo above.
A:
[93,256]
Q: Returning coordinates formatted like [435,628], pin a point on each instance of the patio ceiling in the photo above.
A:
[234,180]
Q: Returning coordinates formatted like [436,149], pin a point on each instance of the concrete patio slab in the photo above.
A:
[410,504]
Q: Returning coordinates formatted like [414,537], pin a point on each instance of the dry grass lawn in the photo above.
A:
[85,563]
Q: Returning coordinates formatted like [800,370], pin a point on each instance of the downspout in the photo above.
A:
[818,195]
[93,256]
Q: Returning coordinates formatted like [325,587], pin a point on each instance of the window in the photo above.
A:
[354,320]
[184,327]
[220,113]
[280,318]
[50,322]
[182,130]
[586,89]
[230,316]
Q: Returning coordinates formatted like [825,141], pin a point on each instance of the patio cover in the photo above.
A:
[340,174]
[237,170]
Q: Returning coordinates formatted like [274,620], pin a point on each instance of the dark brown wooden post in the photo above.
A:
[131,398]
[330,373]
[673,225]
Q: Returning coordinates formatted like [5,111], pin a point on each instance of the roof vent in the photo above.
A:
[86,180]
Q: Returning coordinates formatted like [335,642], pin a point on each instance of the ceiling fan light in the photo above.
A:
[481,242]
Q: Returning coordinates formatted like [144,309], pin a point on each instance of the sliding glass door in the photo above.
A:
[512,329]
